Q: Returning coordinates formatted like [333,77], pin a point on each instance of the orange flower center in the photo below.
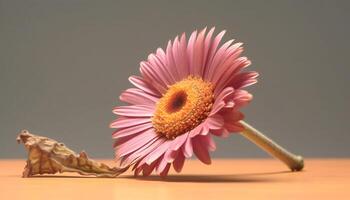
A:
[183,107]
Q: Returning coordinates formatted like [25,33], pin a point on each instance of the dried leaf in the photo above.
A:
[47,156]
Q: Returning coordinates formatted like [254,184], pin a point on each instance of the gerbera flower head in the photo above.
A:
[185,95]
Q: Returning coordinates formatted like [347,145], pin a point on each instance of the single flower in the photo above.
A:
[187,94]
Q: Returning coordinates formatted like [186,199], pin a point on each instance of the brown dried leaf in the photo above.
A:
[47,156]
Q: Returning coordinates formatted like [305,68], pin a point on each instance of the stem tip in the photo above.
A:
[299,164]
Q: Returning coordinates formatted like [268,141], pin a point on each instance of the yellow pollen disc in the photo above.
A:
[183,107]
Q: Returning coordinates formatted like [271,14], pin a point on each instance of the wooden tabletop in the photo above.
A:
[224,179]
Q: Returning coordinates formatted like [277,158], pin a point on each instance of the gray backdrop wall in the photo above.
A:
[64,63]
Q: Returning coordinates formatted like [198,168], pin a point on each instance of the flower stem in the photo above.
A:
[294,162]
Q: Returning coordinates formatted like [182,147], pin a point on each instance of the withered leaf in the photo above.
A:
[47,156]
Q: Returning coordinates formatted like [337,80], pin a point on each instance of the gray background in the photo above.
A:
[64,63]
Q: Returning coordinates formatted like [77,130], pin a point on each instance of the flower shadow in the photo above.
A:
[195,178]
[200,178]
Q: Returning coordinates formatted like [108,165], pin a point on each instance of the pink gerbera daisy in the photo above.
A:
[185,95]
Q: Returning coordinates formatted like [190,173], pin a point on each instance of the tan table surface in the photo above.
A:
[224,179]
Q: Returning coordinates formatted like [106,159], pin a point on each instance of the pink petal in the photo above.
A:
[180,59]
[153,77]
[136,165]
[161,166]
[205,129]
[190,50]
[147,169]
[235,127]
[165,171]
[137,171]
[156,153]
[232,116]
[224,93]
[208,141]
[156,67]
[207,43]
[131,130]
[171,66]
[244,79]
[142,84]
[220,100]
[175,146]
[123,122]
[241,98]
[178,142]
[201,151]
[220,132]
[212,51]
[230,104]
[198,53]
[170,155]
[226,66]
[187,148]
[160,64]
[214,122]
[136,142]
[144,151]
[174,58]
[196,131]
[137,96]
[134,111]
[225,133]
[229,75]
[179,162]
[219,57]
[122,140]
